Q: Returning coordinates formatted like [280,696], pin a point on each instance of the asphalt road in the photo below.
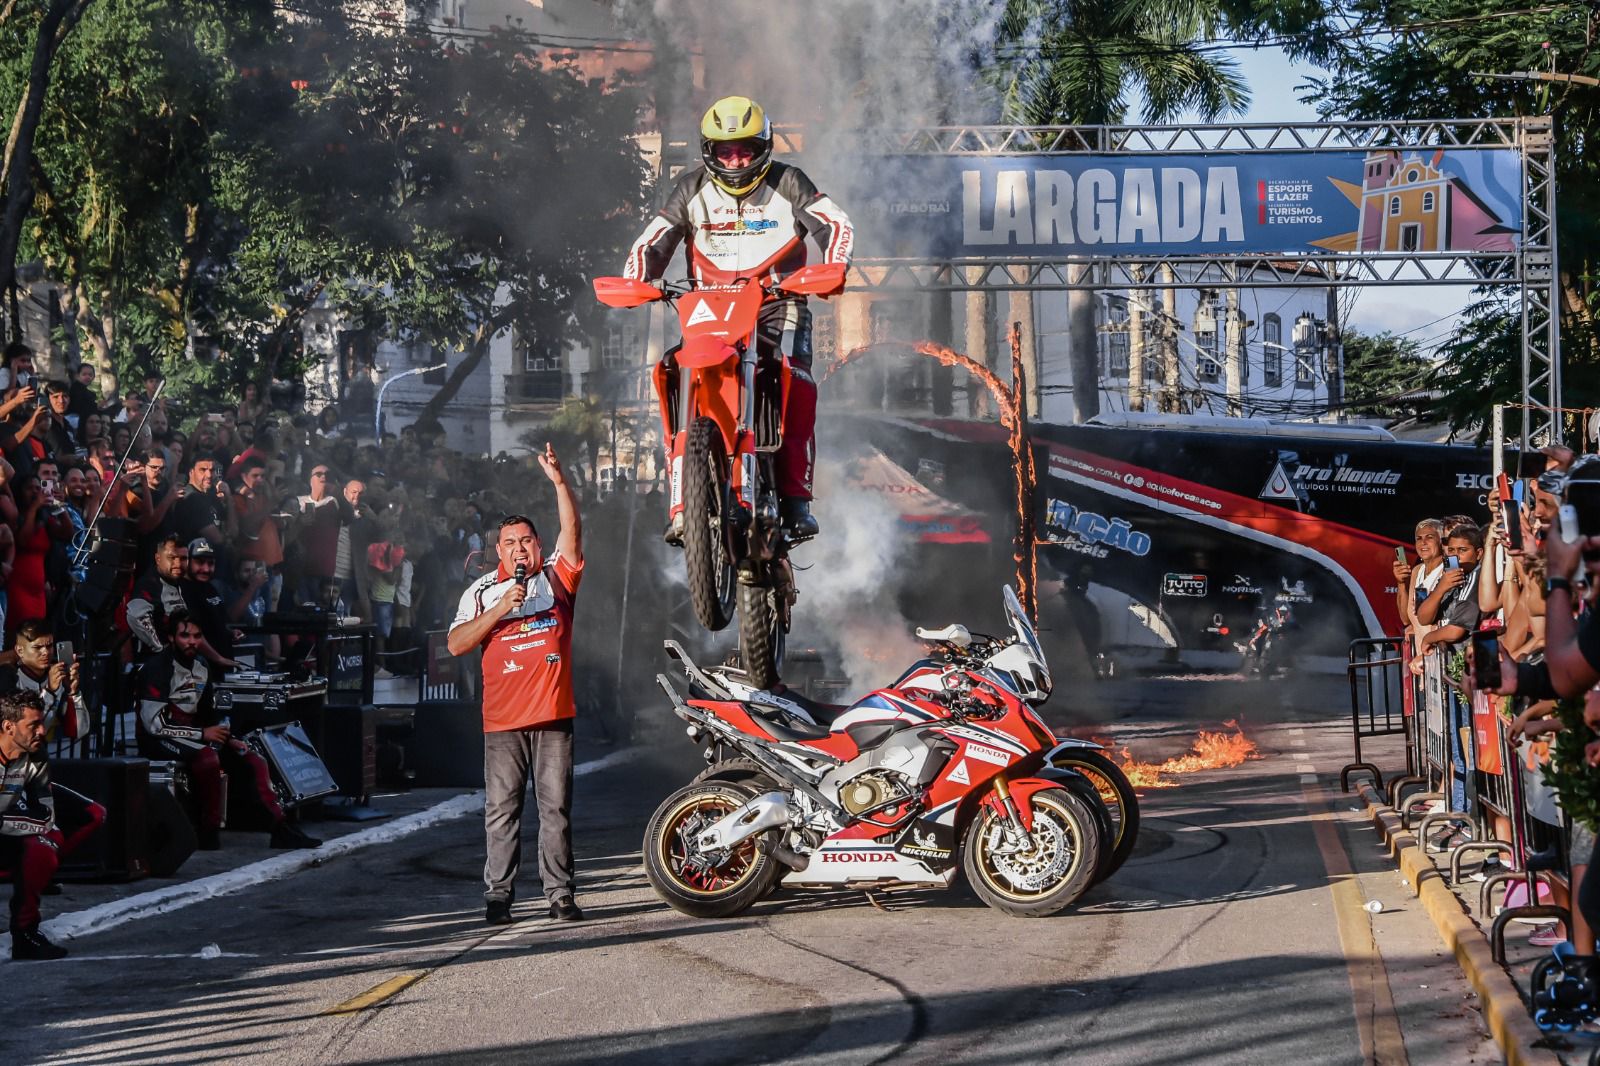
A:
[1234,935]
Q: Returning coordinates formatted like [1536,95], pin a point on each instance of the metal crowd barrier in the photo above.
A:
[1377,672]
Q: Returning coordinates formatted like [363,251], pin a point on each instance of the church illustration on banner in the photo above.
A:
[1409,204]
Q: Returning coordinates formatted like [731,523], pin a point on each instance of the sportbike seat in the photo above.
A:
[821,713]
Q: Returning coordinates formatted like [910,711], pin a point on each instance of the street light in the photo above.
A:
[377,416]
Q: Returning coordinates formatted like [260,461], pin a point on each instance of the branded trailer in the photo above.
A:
[1210,523]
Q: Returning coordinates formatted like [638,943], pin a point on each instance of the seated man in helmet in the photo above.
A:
[741,215]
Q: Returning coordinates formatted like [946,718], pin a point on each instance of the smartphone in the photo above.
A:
[1400,555]
[1486,658]
[1584,498]
[1510,514]
[1452,562]
[64,652]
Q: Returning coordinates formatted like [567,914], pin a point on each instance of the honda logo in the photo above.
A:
[858,856]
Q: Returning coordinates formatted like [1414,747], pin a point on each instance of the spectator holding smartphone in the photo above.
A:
[1452,609]
[1415,583]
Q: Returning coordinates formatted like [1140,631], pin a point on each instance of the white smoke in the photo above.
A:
[829,65]
[848,599]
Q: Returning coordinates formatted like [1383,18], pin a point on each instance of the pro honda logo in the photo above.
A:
[858,856]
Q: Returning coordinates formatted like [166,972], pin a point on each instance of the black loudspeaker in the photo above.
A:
[350,748]
[113,557]
[446,750]
[120,850]
[171,834]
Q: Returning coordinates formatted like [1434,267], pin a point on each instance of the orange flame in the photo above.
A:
[1210,751]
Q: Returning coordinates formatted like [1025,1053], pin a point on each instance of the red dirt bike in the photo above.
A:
[722,409]
[947,770]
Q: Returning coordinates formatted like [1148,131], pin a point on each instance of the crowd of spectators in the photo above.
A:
[1527,585]
[271,510]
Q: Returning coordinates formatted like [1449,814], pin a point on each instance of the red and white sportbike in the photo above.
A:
[948,769]
[722,411]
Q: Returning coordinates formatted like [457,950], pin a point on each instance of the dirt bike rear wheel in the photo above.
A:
[731,887]
[762,634]
[1116,794]
[706,560]
[1062,859]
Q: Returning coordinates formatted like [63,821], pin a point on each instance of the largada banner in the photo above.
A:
[1308,202]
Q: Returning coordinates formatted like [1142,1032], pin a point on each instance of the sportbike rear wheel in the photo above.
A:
[705,886]
[709,566]
[762,634]
[1117,796]
[1055,866]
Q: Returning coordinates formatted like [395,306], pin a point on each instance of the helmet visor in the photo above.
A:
[738,154]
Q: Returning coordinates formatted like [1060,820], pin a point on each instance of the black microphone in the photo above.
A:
[522,573]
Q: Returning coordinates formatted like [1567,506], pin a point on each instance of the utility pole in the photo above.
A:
[979,345]
[1136,299]
[1333,357]
[1170,401]
[1234,332]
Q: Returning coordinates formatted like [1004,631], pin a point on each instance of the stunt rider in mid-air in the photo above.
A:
[741,215]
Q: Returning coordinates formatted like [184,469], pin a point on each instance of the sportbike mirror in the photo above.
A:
[625,292]
[818,279]
[956,634]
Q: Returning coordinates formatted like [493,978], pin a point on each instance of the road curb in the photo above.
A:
[1503,1008]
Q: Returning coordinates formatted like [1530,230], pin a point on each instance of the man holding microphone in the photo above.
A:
[520,614]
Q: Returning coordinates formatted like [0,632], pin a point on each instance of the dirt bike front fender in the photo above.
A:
[700,352]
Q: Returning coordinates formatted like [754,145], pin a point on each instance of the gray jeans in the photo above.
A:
[508,758]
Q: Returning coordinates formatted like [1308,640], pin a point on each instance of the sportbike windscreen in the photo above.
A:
[1024,631]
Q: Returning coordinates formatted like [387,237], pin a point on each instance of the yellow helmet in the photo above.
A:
[730,120]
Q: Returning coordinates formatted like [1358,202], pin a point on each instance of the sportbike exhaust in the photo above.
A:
[795,862]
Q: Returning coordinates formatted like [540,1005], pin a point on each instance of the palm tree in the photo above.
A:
[1088,62]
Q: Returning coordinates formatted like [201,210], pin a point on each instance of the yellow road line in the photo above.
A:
[1382,1043]
[377,994]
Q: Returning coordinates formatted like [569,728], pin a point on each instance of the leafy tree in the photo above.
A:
[1085,62]
[1379,369]
[209,170]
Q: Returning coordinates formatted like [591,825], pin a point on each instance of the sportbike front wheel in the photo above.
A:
[763,633]
[1117,796]
[716,885]
[706,560]
[1049,871]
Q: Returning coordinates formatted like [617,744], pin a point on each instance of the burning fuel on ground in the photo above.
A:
[1209,751]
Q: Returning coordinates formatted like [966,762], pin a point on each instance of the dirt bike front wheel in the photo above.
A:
[763,633]
[1056,866]
[706,559]
[699,885]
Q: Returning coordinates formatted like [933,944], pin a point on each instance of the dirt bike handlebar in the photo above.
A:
[819,279]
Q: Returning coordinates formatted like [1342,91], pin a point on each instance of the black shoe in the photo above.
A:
[30,944]
[288,837]
[565,910]
[798,522]
[208,839]
[52,889]
[497,912]
[673,534]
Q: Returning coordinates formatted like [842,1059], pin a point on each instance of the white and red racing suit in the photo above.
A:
[760,234]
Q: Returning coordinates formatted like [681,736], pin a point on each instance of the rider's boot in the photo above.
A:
[797,520]
[673,534]
[797,457]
